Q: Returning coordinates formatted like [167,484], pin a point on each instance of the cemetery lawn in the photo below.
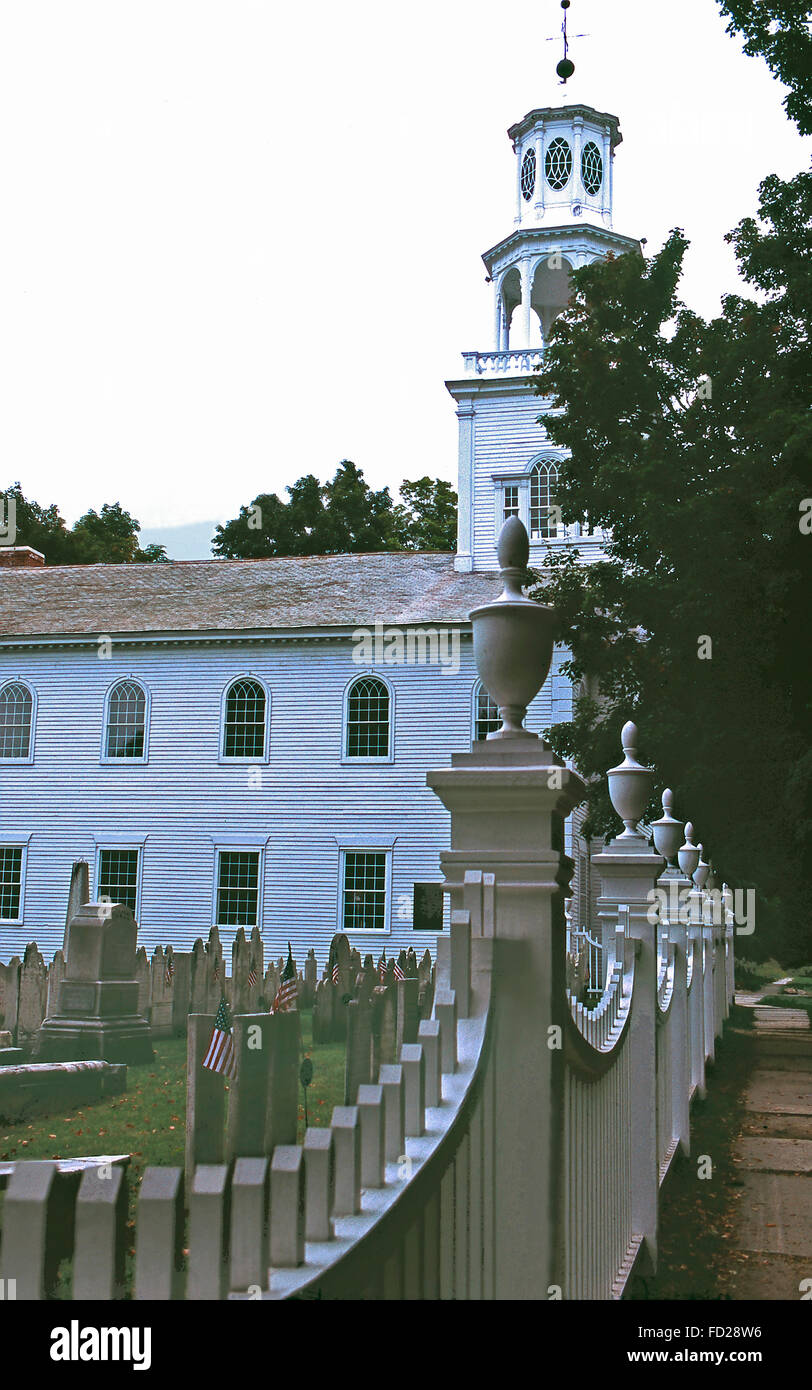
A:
[149,1120]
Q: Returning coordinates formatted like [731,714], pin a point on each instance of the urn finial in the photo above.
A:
[688,854]
[513,637]
[667,831]
[630,783]
[700,874]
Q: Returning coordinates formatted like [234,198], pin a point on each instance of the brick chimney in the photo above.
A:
[20,557]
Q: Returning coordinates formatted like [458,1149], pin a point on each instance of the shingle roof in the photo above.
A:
[199,596]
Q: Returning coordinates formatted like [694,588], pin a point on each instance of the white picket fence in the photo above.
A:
[516,1149]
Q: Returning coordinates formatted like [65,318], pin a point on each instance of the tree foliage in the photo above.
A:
[691,441]
[779,31]
[107,537]
[342,516]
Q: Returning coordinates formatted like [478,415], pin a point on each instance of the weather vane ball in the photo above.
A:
[566,67]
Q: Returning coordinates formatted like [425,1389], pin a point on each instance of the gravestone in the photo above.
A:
[10,993]
[160,1013]
[97,1015]
[143,975]
[181,990]
[323,1000]
[383,1027]
[78,895]
[311,975]
[358,1061]
[33,998]
[56,974]
[199,985]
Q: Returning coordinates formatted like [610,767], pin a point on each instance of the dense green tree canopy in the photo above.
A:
[691,441]
[779,30]
[106,537]
[340,517]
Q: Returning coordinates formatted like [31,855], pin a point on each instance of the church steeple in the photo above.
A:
[562,220]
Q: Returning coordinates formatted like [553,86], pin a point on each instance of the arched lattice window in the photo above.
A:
[368,719]
[558,163]
[591,168]
[543,480]
[528,174]
[126,721]
[16,711]
[244,727]
[486,714]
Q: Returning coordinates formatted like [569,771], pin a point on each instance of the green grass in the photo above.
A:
[750,974]
[148,1121]
[790,1001]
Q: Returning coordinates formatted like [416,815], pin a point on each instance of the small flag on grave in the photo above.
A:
[287,995]
[252,976]
[399,975]
[169,971]
[220,1054]
[382,967]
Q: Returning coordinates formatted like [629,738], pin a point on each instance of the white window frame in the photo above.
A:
[478,686]
[122,842]
[23,762]
[369,673]
[520,477]
[239,844]
[17,842]
[348,844]
[266,746]
[106,761]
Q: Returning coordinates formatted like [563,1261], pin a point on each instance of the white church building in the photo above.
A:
[246,743]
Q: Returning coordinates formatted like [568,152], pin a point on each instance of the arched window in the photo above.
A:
[126,721]
[244,724]
[486,714]
[367,719]
[16,714]
[542,486]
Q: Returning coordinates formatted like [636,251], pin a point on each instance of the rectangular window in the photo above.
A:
[118,877]
[428,907]
[11,882]
[364,891]
[238,888]
[511,504]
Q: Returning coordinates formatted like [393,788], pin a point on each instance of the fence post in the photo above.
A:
[629,872]
[208,1228]
[27,1212]
[159,1234]
[205,1101]
[101,1229]
[249,1223]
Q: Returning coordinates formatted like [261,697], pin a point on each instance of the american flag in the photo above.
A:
[169,971]
[252,976]
[287,995]
[382,967]
[399,975]
[335,973]
[220,1055]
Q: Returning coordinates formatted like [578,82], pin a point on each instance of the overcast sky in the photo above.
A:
[241,240]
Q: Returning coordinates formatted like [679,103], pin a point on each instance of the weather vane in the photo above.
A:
[566,67]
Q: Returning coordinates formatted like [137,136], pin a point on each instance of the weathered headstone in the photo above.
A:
[10,993]
[160,1014]
[181,990]
[33,996]
[383,1028]
[199,988]
[358,1061]
[143,974]
[56,974]
[78,895]
[323,1002]
[98,1000]
[311,975]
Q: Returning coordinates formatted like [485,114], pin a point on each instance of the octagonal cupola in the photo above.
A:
[564,165]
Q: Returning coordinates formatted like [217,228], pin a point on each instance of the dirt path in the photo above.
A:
[771,1241]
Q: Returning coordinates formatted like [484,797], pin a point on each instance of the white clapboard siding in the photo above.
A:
[66,800]
[506,435]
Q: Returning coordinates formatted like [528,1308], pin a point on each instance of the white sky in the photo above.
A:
[240,240]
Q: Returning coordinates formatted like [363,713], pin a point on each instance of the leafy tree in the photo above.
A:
[106,537]
[110,537]
[42,528]
[691,441]
[779,30]
[426,518]
[340,517]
